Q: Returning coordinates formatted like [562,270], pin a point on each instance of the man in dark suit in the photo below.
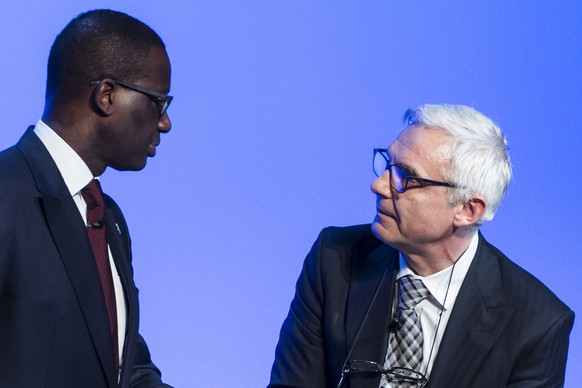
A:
[420,298]
[68,304]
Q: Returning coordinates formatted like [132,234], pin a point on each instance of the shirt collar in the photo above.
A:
[438,283]
[73,169]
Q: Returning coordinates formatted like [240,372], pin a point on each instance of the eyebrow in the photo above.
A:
[411,171]
[408,169]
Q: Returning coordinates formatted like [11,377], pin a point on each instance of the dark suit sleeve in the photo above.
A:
[299,356]
[145,374]
[545,363]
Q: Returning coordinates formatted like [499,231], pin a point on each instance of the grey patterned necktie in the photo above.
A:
[405,348]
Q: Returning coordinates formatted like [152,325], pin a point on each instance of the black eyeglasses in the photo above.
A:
[163,100]
[398,374]
[398,177]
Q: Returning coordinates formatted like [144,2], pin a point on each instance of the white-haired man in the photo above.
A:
[420,298]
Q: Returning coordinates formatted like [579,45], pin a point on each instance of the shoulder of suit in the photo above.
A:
[522,286]
[348,234]
[15,173]
[358,239]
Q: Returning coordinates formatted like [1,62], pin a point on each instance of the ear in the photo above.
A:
[103,97]
[470,212]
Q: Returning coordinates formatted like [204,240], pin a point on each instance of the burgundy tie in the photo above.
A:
[98,237]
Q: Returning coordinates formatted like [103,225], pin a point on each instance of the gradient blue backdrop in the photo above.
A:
[277,107]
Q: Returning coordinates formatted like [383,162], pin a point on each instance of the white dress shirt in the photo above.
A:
[444,288]
[77,175]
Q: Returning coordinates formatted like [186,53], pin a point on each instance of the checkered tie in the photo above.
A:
[405,348]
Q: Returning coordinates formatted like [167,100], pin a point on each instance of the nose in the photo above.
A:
[381,185]
[165,124]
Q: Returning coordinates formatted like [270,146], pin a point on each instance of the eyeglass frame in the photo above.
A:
[396,373]
[152,94]
[407,177]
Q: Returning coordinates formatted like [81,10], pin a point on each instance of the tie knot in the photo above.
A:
[92,194]
[412,291]
[95,204]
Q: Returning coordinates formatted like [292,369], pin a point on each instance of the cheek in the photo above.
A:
[138,118]
[436,220]
[419,214]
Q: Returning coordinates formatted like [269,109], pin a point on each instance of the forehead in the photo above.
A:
[422,148]
[157,70]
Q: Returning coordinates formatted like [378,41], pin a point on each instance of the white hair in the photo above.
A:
[480,161]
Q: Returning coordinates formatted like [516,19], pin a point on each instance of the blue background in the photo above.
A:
[277,107]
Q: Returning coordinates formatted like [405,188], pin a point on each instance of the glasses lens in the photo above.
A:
[407,374]
[399,179]
[380,163]
[165,104]
[365,366]
[163,107]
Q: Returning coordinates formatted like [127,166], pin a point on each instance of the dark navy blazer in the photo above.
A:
[506,328]
[54,330]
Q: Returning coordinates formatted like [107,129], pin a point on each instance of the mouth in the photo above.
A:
[383,212]
[152,147]
[152,150]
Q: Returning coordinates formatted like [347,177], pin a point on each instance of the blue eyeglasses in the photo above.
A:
[398,177]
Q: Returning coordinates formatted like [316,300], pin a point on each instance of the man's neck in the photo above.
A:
[79,136]
[435,257]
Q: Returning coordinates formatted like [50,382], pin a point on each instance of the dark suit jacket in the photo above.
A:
[506,328]
[54,330]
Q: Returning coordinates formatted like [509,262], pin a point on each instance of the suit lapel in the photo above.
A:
[121,259]
[70,237]
[369,305]
[114,239]
[479,316]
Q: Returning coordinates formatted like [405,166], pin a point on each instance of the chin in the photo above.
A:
[379,231]
[382,233]
[130,167]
